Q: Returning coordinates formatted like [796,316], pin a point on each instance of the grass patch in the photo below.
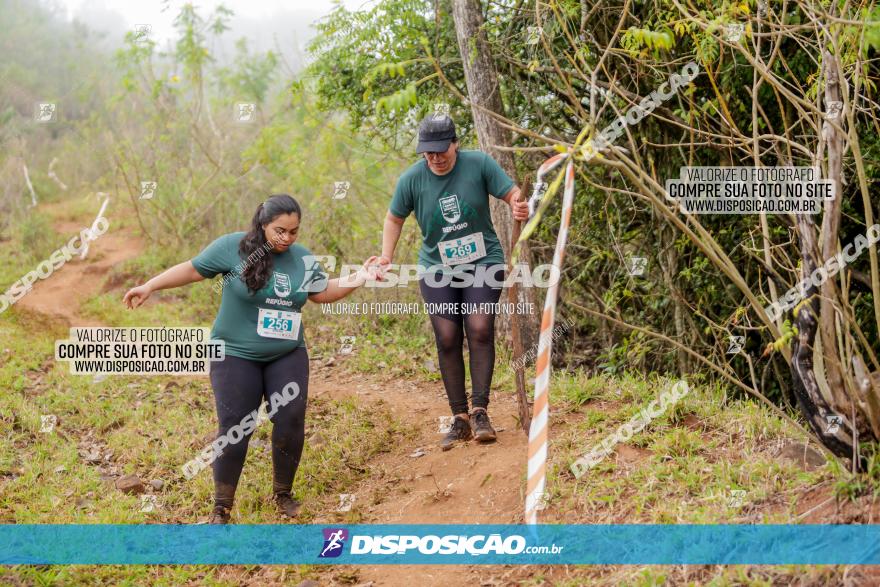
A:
[692,464]
[150,426]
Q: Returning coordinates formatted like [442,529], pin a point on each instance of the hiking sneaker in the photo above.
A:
[483,431]
[220,515]
[460,430]
[287,505]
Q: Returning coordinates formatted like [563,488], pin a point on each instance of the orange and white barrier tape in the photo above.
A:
[537,467]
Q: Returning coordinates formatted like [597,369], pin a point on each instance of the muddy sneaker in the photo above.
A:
[460,430]
[287,505]
[220,515]
[483,431]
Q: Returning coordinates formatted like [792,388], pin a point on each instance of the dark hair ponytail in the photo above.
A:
[254,246]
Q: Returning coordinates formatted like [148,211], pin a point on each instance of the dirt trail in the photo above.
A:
[62,292]
[470,484]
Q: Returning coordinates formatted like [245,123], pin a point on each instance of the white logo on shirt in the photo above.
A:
[282,284]
[450,208]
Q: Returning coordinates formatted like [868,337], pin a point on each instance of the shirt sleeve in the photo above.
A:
[402,202]
[498,183]
[215,258]
[315,278]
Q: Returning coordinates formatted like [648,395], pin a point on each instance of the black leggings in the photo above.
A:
[449,335]
[240,386]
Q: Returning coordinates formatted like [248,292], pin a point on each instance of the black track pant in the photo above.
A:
[240,386]
[450,328]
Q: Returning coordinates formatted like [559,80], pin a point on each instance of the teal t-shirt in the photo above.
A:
[453,209]
[264,325]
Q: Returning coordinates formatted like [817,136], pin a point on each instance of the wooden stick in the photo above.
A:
[522,400]
[27,179]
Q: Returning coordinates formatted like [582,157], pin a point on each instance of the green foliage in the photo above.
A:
[37,237]
[707,49]
[251,77]
[191,49]
[683,295]
[872,32]
[390,70]
[639,40]
[371,64]
[629,353]
[398,101]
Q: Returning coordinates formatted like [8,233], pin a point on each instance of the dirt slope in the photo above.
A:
[470,484]
[62,292]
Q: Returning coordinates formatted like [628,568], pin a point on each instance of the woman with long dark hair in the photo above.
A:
[267,279]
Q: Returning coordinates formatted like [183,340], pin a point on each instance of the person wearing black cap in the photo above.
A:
[461,261]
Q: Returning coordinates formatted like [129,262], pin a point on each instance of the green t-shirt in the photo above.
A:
[453,209]
[265,325]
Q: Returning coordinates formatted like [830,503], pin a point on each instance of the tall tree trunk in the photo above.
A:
[484,94]
[669,269]
[828,316]
[836,430]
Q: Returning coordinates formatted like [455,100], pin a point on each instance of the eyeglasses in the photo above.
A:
[279,232]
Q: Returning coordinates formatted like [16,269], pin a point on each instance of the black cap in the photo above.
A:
[435,133]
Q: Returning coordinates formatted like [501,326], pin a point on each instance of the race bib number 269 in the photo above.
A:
[462,250]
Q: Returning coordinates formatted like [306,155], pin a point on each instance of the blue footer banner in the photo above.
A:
[439,544]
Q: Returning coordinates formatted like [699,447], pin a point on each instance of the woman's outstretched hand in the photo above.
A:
[381,264]
[371,269]
[136,296]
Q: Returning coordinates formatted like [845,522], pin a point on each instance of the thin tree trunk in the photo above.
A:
[813,406]
[484,94]
[669,269]
[830,226]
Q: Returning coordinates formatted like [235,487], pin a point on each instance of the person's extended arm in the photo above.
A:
[390,235]
[342,286]
[181,274]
